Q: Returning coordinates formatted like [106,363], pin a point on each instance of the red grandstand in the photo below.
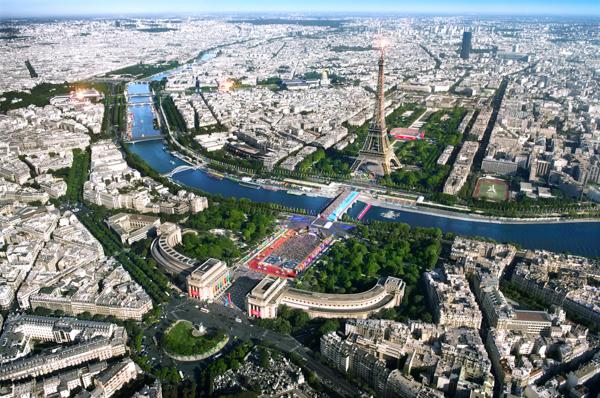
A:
[290,254]
[406,134]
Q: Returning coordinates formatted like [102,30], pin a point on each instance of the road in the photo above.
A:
[224,318]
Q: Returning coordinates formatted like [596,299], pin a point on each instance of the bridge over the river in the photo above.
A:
[181,168]
[151,137]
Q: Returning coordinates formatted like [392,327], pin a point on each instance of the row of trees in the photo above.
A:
[174,118]
[115,114]
[78,175]
[135,161]
[525,206]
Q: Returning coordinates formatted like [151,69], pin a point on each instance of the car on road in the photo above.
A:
[205,310]
[238,320]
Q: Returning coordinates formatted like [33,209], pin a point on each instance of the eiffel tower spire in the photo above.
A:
[377,149]
[379,119]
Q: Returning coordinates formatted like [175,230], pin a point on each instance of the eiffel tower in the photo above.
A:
[377,149]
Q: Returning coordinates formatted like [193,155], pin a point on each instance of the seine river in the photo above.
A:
[576,238]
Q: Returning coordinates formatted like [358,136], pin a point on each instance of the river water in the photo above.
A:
[139,110]
[576,238]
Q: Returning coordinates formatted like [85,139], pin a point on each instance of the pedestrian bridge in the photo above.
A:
[150,137]
[181,168]
[139,103]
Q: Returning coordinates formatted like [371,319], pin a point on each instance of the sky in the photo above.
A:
[57,8]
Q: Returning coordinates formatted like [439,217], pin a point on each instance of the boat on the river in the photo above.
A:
[390,214]
[313,194]
[216,175]
[243,184]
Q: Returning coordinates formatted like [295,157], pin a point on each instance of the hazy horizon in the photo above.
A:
[72,8]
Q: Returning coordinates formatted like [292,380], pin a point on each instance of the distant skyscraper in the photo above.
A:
[465,49]
[325,78]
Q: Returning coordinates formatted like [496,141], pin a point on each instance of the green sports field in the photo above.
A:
[491,189]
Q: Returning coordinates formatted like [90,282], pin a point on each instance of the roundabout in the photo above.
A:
[187,342]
